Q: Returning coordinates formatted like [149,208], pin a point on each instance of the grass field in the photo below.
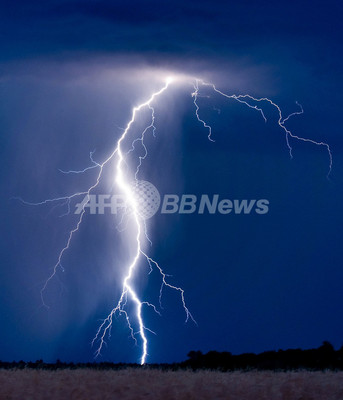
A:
[155,384]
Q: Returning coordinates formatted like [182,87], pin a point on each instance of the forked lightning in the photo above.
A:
[123,181]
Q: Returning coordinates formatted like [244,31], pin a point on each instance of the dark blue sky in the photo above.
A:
[70,73]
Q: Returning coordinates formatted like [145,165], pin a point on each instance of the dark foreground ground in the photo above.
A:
[136,384]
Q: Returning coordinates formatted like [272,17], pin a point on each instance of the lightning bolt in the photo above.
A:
[128,290]
[128,293]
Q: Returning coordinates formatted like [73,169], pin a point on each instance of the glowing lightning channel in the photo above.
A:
[128,292]
[140,227]
[132,204]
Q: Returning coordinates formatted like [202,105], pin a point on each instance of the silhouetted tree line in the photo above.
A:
[324,357]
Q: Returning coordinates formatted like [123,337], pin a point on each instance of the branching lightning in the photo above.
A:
[281,121]
[138,225]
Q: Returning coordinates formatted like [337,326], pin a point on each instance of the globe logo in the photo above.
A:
[147,198]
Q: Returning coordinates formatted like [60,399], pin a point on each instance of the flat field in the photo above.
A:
[139,384]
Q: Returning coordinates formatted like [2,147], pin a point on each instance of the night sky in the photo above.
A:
[70,74]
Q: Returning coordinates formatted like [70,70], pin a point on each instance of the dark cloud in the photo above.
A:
[183,29]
